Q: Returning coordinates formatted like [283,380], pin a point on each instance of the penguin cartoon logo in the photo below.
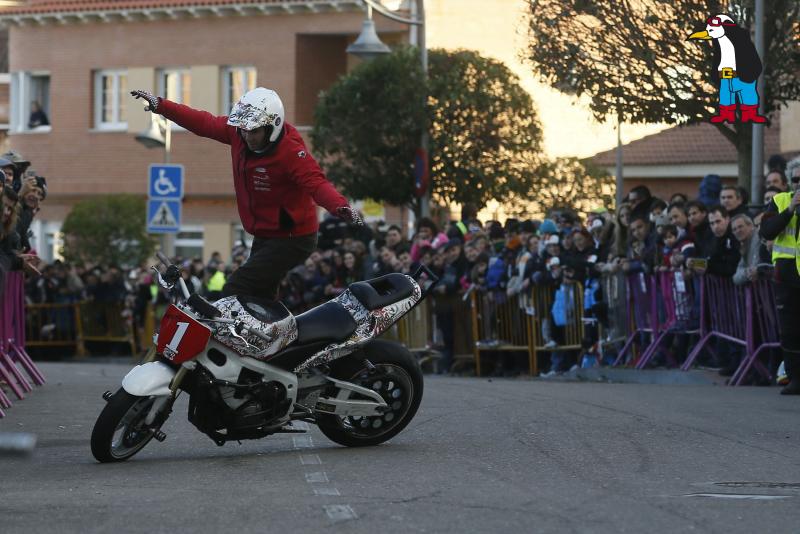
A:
[735,69]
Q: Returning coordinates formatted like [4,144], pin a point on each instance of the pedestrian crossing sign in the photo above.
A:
[163,216]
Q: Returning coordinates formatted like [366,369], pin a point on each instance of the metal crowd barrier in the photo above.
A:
[415,330]
[677,309]
[708,307]
[744,315]
[75,324]
[12,342]
[516,323]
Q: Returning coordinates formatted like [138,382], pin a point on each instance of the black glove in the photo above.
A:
[152,100]
[350,215]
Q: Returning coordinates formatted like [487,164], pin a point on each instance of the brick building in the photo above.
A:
[79,59]
[676,159]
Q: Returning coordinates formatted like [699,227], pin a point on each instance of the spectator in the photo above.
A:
[29,206]
[724,256]
[678,198]
[710,188]
[778,180]
[677,249]
[730,198]
[642,252]
[394,238]
[38,117]
[699,228]
[750,249]
[428,234]
[679,216]
[640,199]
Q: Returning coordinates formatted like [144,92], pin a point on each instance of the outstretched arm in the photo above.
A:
[198,122]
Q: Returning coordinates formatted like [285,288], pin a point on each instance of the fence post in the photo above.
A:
[80,347]
[476,335]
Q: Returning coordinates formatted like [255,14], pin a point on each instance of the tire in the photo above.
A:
[121,406]
[395,370]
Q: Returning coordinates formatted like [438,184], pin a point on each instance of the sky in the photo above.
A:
[497,29]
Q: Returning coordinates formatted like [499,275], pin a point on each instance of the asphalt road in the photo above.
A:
[481,456]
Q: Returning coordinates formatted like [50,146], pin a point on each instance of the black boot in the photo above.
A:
[792,388]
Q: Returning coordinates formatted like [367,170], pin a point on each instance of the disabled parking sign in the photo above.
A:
[165,181]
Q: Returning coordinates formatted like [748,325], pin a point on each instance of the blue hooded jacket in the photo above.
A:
[710,187]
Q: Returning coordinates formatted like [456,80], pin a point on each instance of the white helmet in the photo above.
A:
[257,108]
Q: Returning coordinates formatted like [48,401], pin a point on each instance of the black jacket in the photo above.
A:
[748,64]
[725,256]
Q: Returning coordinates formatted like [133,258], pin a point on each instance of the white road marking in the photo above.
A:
[325,490]
[310,459]
[319,477]
[340,512]
[302,442]
[739,496]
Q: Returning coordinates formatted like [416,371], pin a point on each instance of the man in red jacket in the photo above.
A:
[278,184]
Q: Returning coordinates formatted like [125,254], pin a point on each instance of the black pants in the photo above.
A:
[788,300]
[270,259]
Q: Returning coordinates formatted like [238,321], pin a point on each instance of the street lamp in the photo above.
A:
[368,46]
[158,135]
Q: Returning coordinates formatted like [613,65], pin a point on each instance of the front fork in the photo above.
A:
[166,400]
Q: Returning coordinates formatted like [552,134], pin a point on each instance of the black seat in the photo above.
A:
[382,291]
[265,310]
[329,322]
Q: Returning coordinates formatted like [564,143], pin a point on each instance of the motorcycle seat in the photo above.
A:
[328,322]
[382,291]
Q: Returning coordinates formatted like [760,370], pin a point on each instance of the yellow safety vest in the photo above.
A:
[785,245]
[216,282]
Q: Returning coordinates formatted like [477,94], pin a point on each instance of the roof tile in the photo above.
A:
[696,143]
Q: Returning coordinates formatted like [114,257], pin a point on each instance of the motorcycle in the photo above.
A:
[251,368]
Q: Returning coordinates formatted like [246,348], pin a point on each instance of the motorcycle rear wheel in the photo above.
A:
[396,376]
[120,432]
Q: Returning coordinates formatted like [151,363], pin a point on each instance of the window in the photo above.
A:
[236,82]
[175,85]
[110,100]
[189,242]
[30,101]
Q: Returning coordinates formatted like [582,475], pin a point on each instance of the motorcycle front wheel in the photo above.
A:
[395,375]
[120,430]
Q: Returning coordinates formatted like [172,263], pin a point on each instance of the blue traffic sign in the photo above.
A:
[165,181]
[163,216]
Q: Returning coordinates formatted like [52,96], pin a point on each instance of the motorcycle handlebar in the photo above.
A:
[162,258]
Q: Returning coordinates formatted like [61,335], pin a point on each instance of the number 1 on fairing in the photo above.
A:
[176,339]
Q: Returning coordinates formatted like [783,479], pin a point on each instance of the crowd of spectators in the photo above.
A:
[713,231]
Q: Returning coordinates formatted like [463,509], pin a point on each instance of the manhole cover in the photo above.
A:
[765,485]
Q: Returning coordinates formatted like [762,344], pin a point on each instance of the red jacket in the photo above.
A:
[275,192]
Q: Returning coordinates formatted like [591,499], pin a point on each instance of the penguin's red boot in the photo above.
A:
[750,114]
[726,114]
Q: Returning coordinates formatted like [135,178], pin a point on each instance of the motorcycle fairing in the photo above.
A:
[281,330]
[371,324]
[148,379]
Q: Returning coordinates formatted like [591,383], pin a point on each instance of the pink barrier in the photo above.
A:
[12,341]
[642,312]
[676,301]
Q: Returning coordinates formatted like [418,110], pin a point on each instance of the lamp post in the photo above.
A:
[368,46]
[158,135]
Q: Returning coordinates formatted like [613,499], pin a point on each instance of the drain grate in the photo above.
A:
[763,485]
